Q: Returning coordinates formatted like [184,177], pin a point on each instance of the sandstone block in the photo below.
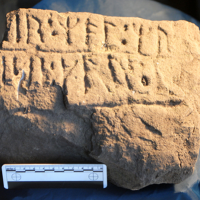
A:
[117,90]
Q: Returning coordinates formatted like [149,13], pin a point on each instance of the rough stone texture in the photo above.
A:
[121,91]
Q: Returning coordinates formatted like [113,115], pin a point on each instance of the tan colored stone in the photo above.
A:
[123,91]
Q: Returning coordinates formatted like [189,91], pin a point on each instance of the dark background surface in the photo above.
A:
[191,7]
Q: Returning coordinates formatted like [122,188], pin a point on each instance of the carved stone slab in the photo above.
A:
[121,91]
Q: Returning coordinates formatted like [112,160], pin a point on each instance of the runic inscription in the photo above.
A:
[121,78]
[119,57]
[97,65]
[74,32]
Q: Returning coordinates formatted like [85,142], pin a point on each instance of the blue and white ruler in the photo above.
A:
[54,175]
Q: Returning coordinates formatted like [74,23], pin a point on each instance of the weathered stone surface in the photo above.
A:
[121,91]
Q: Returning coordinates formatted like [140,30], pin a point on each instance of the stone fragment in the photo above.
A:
[117,90]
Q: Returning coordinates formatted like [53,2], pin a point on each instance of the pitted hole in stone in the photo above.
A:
[54,33]
[37,47]
[50,22]
[52,66]
[39,31]
[110,56]
[142,64]
[125,27]
[124,42]
[53,83]
[145,81]
[63,63]
[171,92]
[16,71]
[130,67]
